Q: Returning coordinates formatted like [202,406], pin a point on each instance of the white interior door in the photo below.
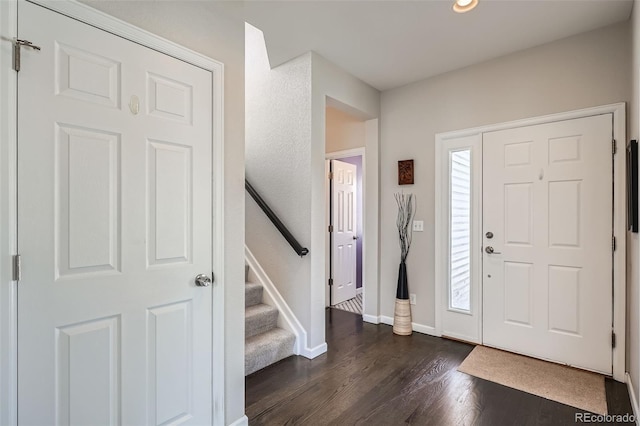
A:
[114,224]
[343,237]
[547,200]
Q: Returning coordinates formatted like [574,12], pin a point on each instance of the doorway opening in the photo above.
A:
[345,157]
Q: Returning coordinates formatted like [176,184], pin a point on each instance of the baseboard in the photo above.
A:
[372,319]
[418,328]
[632,397]
[359,290]
[242,421]
[314,352]
[386,320]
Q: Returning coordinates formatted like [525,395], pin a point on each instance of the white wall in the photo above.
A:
[278,146]
[633,246]
[206,29]
[582,71]
[344,131]
[285,151]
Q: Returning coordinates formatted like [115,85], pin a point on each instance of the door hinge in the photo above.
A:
[613,243]
[614,146]
[330,228]
[330,281]
[613,339]
[330,175]
[17,44]
[17,267]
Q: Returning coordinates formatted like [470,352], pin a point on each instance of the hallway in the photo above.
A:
[352,305]
[370,376]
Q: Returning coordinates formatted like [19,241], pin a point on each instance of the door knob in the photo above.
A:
[203,281]
[490,250]
[355,237]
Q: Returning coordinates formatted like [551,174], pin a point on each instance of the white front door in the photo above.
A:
[343,237]
[547,213]
[114,224]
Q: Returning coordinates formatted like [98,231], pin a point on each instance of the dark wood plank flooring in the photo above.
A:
[371,376]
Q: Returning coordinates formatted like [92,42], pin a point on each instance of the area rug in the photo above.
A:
[567,385]
[352,305]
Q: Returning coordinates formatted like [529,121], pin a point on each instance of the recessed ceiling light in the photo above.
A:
[462,6]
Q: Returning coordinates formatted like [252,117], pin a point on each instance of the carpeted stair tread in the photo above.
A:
[267,348]
[265,343]
[259,319]
[252,294]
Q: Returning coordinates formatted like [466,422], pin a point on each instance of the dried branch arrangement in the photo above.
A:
[406,212]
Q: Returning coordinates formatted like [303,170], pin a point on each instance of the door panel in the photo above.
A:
[547,198]
[518,225]
[88,392]
[170,203]
[114,179]
[343,237]
[169,369]
[87,161]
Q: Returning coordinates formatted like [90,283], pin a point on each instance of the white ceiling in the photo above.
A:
[392,43]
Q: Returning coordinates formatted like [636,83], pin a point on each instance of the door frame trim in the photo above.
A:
[8,184]
[8,216]
[618,110]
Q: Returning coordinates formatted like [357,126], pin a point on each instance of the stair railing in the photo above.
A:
[297,247]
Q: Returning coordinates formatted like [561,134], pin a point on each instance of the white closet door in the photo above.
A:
[115,167]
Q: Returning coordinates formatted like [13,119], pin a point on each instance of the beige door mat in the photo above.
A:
[567,385]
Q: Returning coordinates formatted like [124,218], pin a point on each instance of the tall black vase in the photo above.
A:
[402,313]
[403,284]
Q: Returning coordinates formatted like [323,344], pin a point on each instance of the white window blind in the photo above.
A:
[460,230]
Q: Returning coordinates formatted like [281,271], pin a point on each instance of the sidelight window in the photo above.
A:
[460,230]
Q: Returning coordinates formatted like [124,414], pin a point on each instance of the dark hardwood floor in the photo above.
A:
[371,376]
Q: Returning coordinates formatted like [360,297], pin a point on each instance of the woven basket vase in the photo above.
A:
[402,318]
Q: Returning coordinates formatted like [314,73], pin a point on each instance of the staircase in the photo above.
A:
[265,342]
